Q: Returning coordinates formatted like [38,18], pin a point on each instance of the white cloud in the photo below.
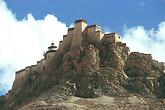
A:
[71,25]
[107,30]
[146,41]
[23,42]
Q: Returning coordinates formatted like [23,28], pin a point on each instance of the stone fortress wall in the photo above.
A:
[82,33]
[75,37]
[159,65]
[112,37]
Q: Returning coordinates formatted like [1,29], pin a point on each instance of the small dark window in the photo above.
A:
[119,37]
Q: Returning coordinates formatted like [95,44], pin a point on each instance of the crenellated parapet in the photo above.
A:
[82,33]
[76,36]
[40,66]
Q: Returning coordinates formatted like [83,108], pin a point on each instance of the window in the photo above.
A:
[119,37]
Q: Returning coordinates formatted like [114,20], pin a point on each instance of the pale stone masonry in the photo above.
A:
[83,33]
[77,36]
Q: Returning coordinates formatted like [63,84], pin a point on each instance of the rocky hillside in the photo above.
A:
[93,76]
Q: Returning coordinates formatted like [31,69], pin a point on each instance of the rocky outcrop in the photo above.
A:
[144,75]
[91,71]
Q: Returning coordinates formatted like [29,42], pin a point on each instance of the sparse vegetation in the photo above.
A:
[82,54]
[110,72]
[2,101]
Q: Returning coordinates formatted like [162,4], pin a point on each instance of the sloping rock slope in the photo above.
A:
[93,76]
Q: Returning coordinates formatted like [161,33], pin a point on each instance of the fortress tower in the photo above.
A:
[77,38]
[82,33]
[112,38]
[51,51]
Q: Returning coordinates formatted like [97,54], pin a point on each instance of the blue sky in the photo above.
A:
[113,14]
[28,27]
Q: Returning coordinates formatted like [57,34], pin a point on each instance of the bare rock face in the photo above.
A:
[81,59]
[144,76]
[92,76]
[113,55]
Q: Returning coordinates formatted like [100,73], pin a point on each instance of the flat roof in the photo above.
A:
[100,31]
[81,20]
[20,71]
[108,34]
[64,35]
[71,28]
[114,33]
[93,26]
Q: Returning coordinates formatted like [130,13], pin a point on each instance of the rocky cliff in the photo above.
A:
[92,76]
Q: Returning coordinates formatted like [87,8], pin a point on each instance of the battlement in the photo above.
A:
[81,33]
[76,36]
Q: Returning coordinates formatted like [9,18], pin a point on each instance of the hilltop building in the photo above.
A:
[82,33]
[77,36]
[51,51]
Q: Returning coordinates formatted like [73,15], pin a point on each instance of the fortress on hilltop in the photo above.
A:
[82,33]
[88,64]
[77,36]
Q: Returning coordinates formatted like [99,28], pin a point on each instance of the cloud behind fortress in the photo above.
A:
[22,42]
[147,41]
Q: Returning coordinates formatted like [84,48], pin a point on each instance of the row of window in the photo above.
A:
[112,36]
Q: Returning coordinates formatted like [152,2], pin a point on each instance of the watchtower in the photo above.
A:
[77,38]
[51,51]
